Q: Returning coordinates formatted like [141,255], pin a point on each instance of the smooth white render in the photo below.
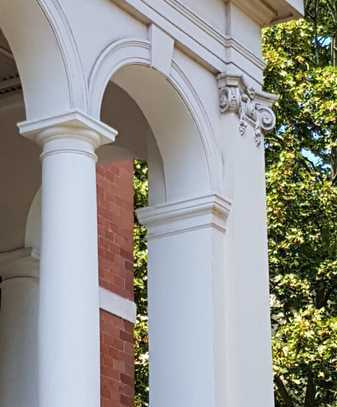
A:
[181,82]
[117,305]
[18,333]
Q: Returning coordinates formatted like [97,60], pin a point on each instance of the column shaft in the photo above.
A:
[69,353]
[18,335]
[69,302]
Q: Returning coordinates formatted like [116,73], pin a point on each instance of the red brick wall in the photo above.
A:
[115,225]
[117,362]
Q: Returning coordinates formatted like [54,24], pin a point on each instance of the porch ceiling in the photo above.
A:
[7,63]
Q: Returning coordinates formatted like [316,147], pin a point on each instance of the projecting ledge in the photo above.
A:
[268,12]
[185,216]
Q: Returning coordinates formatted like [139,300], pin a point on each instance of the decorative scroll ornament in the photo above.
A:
[237,97]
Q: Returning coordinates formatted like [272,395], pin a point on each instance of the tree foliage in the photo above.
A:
[140,181]
[301,159]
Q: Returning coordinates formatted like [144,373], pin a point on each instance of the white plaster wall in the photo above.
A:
[205,86]
[244,29]
[183,324]
[92,34]
[248,337]
[212,11]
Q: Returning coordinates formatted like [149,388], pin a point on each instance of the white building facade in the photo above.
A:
[177,83]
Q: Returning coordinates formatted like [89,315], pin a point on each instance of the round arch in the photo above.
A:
[182,130]
[46,56]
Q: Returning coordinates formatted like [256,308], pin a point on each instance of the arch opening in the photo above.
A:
[20,178]
[156,124]
[20,173]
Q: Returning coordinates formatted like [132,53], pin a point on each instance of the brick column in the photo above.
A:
[115,227]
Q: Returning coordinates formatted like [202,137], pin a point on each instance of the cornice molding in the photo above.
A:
[226,40]
[209,51]
[184,216]
[252,107]
[215,59]
[268,12]
[258,10]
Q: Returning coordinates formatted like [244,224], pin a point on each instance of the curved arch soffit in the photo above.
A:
[53,63]
[127,52]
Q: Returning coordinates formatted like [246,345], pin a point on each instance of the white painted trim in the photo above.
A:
[162,48]
[271,11]
[184,216]
[188,28]
[19,263]
[74,119]
[67,44]
[133,51]
[117,305]
[168,14]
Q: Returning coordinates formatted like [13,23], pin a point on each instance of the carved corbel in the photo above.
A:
[252,107]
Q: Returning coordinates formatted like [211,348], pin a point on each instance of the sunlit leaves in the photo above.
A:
[302,209]
[140,284]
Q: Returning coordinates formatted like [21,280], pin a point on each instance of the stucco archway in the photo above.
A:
[128,63]
[186,220]
[44,55]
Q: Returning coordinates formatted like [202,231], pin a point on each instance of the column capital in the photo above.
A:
[252,106]
[73,124]
[187,215]
[20,263]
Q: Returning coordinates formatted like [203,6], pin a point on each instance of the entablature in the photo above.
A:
[214,45]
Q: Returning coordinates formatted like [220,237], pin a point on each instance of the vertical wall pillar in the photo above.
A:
[69,369]
[18,329]
[246,117]
[186,312]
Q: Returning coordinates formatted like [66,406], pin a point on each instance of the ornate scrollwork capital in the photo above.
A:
[252,107]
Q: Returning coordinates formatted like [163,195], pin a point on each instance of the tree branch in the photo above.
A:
[283,392]
[311,392]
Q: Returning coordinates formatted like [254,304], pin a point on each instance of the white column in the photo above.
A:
[18,329]
[69,367]
[186,302]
